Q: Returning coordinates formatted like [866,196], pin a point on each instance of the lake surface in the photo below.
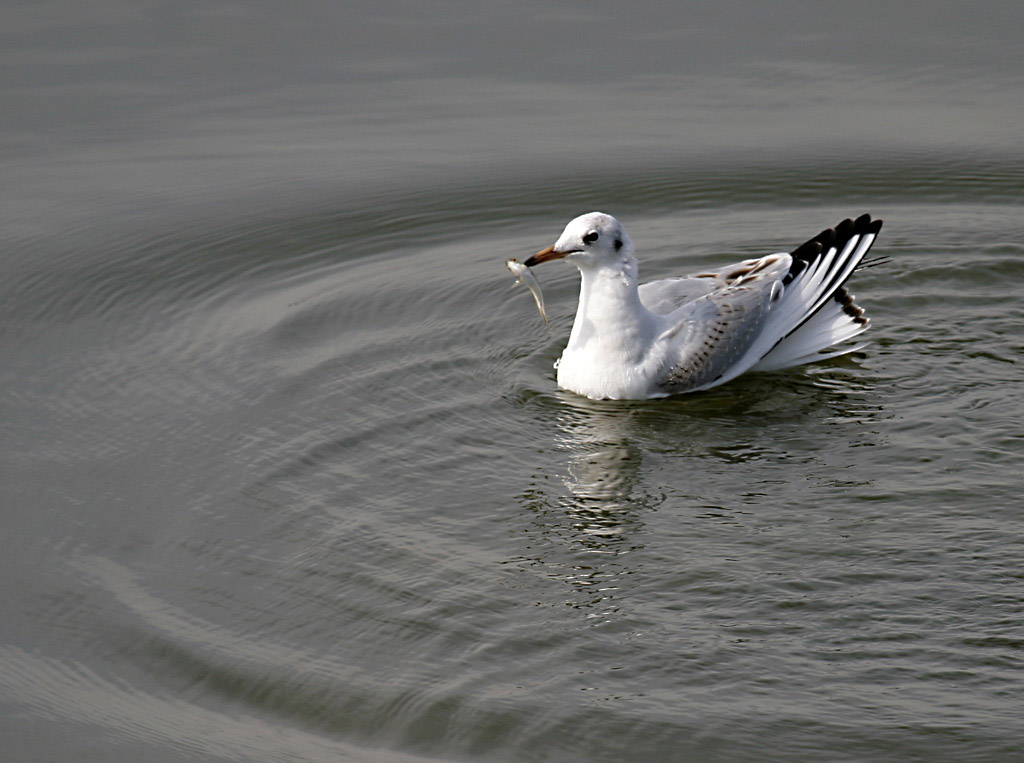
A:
[285,474]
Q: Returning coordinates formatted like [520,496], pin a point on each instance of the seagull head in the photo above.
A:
[593,239]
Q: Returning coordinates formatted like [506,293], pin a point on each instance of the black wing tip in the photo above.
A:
[848,228]
[864,225]
[802,256]
[837,237]
[807,251]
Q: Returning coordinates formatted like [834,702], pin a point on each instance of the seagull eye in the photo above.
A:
[591,237]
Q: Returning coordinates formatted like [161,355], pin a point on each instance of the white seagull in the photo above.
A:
[698,331]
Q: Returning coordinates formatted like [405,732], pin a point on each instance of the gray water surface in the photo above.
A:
[285,472]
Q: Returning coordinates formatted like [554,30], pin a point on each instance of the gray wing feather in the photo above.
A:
[662,297]
[665,296]
[715,332]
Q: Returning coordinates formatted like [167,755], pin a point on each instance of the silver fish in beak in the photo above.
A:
[526,277]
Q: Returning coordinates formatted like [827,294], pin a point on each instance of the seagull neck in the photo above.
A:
[609,284]
[610,309]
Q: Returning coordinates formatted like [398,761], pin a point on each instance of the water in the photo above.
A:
[285,472]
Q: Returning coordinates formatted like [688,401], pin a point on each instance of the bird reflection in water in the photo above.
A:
[589,507]
[584,535]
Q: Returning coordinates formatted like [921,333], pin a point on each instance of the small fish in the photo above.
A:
[525,276]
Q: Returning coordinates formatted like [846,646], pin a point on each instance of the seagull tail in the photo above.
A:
[819,311]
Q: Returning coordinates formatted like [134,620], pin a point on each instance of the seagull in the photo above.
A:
[632,342]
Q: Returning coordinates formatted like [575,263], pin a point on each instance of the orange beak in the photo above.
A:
[545,255]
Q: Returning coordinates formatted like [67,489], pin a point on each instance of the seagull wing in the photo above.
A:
[711,338]
[662,297]
[771,313]
[665,296]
